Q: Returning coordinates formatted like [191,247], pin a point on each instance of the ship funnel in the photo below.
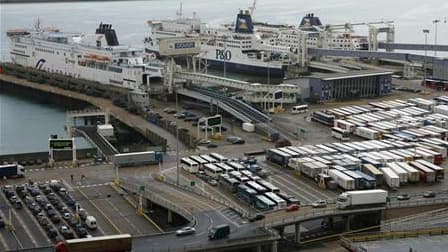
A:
[109,33]
[244,22]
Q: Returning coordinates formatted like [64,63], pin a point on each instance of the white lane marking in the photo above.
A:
[69,187]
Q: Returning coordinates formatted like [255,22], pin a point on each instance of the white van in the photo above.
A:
[299,109]
[91,222]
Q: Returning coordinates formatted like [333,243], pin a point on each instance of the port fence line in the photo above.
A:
[241,211]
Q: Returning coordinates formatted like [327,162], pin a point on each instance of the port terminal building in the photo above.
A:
[344,86]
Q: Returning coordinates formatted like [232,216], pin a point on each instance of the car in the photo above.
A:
[13,198]
[39,199]
[28,200]
[185,231]
[64,210]
[62,191]
[292,208]
[44,221]
[256,218]
[55,218]
[55,184]
[179,116]
[2,222]
[51,212]
[191,119]
[204,142]
[17,204]
[67,216]
[52,232]
[46,190]
[212,145]
[42,185]
[8,191]
[51,196]
[429,194]
[43,203]
[82,213]
[232,138]
[73,222]
[213,182]
[239,141]
[319,204]
[66,232]
[403,197]
[169,110]
[48,206]
[80,230]
[58,205]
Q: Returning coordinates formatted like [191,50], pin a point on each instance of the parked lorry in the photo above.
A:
[391,179]
[359,199]
[367,133]
[343,180]
[137,158]
[12,171]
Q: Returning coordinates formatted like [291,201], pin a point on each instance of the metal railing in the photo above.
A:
[317,214]
[413,203]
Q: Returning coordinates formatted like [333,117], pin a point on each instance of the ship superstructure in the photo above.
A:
[236,48]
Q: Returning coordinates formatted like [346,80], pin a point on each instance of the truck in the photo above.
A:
[219,232]
[367,133]
[107,243]
[12,171]
[391,179]
[137,158]
[360,199]
[344,181]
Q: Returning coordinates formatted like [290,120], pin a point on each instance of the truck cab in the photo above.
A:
[342,201]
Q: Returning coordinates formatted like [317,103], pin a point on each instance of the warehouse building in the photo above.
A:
[351,85]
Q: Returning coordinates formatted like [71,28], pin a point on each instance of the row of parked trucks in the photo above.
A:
[388,165]
[408,120]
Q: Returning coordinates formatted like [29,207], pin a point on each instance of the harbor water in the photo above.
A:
[25,125]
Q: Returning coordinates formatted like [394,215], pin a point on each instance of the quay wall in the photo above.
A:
[28,80]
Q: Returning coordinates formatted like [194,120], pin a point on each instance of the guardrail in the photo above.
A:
[159,200]
[395,234]
[318,214]
[201,193]
[413,203]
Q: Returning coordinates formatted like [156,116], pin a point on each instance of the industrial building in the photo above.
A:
[342,86]
[440,71]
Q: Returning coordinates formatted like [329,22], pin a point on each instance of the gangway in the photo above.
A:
[242,108]
[91,134]
[413,47]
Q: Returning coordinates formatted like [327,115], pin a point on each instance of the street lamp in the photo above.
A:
[435,22]
[177,140]
[426,32]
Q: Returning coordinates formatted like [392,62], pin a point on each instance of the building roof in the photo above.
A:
[352,74]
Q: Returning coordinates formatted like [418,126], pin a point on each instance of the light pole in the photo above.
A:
[269,69]
[426,32]
[435,22]
[177,140]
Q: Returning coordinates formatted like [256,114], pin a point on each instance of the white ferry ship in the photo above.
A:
[313,34]
[97,57]
[237,48]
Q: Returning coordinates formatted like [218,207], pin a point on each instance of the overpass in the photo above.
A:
[413,47]
[202,213]
[317,52]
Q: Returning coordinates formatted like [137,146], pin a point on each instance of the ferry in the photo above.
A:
[97,57]
[235,48]
[311,33]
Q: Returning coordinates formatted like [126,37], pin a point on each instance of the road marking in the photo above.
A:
[69,187]
[17,239]
[4,243]
[144,215]
[25,228]
[100,211]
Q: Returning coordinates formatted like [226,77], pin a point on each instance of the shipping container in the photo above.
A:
[391,179]
[413,174]
[426,174]
[374,172]
[343,180]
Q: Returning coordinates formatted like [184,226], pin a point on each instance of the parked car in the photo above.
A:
[185,231]
[2,222]
[67,216]
[213,182]
[238,141]
[256,218]
[429,194]
[66,232]
[319,204]
[292,207]
[52,232]
[212,145]
[81,231]
[404,197]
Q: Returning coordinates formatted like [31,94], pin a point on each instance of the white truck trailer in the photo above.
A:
[344,181]
[392,179]
[367,133]
[359,199]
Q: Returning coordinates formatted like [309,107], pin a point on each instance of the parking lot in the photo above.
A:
[38,214]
